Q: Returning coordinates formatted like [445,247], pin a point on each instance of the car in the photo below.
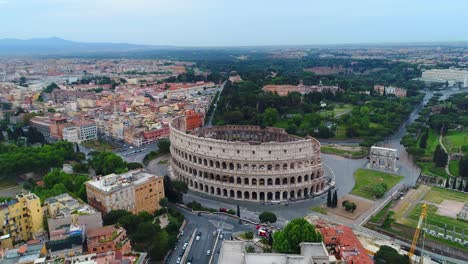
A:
[178,260]
[222,209]
[185,246]
[221,236]
[199,234]
[181,233]
[208,252]
[197,238]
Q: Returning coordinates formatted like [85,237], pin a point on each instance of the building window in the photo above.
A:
[150,190]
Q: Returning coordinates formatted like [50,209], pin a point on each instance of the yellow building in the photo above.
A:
[22,220]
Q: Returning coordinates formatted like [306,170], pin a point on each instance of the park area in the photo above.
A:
[372,184]
[445,208]
[345,151]
[454,140]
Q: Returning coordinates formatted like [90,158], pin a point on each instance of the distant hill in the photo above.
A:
[58,46]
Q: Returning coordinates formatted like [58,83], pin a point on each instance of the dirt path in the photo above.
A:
[447,170]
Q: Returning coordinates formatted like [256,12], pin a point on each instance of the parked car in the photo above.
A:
[208,252]
[222,209]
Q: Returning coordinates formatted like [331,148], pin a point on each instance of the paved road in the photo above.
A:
[158,168]
[207,225]
[210,120]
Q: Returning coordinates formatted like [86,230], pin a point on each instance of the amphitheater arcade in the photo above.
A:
[247,162]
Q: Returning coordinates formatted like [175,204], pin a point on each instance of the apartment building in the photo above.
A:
[135,191]
[42,124]
[22,220]
[87,130]
[382,89]
[108,238]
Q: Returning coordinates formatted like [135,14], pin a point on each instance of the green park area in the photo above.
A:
[401,216]
[338,110]
[373,184]
[434,219]
[454,140]
[345,151]
[437,195]
[100,145]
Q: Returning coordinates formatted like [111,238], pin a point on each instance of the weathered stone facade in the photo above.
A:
[247,162]
[383,158]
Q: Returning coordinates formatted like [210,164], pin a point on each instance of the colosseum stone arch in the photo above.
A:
[247,162]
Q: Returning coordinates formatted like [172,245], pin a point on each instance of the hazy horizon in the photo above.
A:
[211,23]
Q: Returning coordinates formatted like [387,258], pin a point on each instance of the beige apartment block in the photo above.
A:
[135,191]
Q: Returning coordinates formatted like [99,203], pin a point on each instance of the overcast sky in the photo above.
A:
[236,22]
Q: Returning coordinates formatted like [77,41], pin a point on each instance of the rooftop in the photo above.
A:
[113,182]
[233,252]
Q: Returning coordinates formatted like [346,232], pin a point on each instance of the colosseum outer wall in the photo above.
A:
[247,170]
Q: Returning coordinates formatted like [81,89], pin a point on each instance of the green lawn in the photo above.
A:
[438,195]
[432,142]
[319,210]
[99,145]
[365,178]
[453,167]
[429,168]
[435,219]
[455,139]
[332,150]
[337,110]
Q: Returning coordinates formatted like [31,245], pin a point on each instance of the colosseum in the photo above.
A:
[247,162]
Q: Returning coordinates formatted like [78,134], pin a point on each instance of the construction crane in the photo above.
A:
[422,218]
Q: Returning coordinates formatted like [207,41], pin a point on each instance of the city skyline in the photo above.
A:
[229,23]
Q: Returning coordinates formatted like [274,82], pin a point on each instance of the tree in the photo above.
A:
[270,116]
[447,183]
[267,217]
[134,165]
[238,211]
[295,232]
[164,146]
[454,183]
[460,186]
[440,157]
[349,206]
[466,186]
[463,167]
[335,199]
[387,254]
[249,249]
[112,217]
[164,202]
[329,198]
[174,190]
[106,162]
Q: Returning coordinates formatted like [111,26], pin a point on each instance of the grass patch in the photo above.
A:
[455,139]
[435,219]
[438,195]
[453,167]
[319,210]
[377,218]
[337,110]
[163,162]
[365,178]
[5,183]
[429,168]
[332,150]
[432,142]
[100,145]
